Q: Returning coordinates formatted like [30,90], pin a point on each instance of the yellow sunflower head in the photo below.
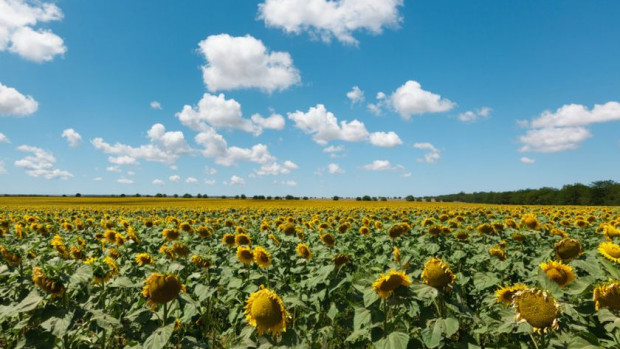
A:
[437,273]
[204,232]
[364,230]
[289,229]
[461,235]
[304,251]
[110,236]
[262,257]
[567,249]
[161,288]
[497,252]
[340,260]
[143,259]
[200,262]
[327,239]
[396,255]
[47,284]
[610,251]
[245,255]
[536,307]
[485,229]
[506,294]
[265,311]
[518,237]
[607,295]
[243,239]
[274,239]
[530,221]
[171,234]
[386,284]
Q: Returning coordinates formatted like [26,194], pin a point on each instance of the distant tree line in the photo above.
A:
[605,193]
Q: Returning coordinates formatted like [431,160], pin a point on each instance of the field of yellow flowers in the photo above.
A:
[182,273]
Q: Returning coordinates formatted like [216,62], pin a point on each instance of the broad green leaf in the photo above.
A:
[362,318]
[29,303]
[394,340]
[159,338]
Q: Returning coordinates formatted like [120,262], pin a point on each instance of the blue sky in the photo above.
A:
[451,96]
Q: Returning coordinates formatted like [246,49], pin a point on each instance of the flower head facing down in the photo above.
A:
[560,273]
[607,296]
[437,273]
[265,311]
[386,284]
[161,288]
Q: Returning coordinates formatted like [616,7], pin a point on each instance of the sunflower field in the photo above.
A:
[312,274]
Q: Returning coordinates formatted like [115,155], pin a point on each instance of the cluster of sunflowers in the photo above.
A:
[347,275]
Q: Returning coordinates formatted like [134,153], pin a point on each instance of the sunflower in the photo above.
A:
[204,232]
[340,260]
[437,273]
[536,307]
[77,253]
[506,294]
[186,227]
[518,237]
[110,236]
[497,252]
[398,229]
[262,257]
[242,239]
[265,311]
[228,240]
[396,253]
[144,259]
[180,249]
[12,259]
[327,239]
[288,229]
[607,295]
[171,234]
[560,273]
[485,229]
[434,230]
[201,262]
[364,230]
[610,251]
[386,284]
[567,249]
[304,251]
[47,284]
[274,239]
[103,269]
[461,235]
[530,221]
[245,255]
[161,288]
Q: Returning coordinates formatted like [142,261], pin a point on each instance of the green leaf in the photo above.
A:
[159,338]
[483,281]
[394,340]
[58,326]
[451,326]
[203,292]
[29,303]
[361,319]
[105,321]
[357,335]
[123,282]
[424,291]
[370,296]
[83,274]
[611,268]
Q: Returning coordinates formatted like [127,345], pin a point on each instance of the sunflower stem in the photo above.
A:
[385,309]
[165,313]
[533,341]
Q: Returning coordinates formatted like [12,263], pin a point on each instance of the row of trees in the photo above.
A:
[605,193]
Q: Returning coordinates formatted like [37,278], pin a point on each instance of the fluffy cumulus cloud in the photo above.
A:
[124,181]
[273,121]
[18,35]
[191,180]
[174,178]
[157,181]
[566,128]
[155,105]
[432,154]
[381,165]
[333,149]
[275,168]
[40,164]
[13,103]
[475,115]
[165,147]
[325,19]
[335,169]
[4,139]
[385,139]
[245,62]
[324,127]
[236,180]
[355,95]
[73,138]
[528,161]
[410,99]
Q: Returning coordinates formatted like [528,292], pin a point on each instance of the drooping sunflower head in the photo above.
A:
[518,237]
[304,251]
[180,249]
[171,234]
[340,260]
[50,285]
[485,229]
[265,311]
[607,295]
[144,259]
[610,251]
[398,229]
[327,239]
[567,249]
[245,255]
[386,284]
[497,252]
[437,273]
[461,235]
[200,262]
[396,253]
[506,294]
[529,220]
[538,308]
[262,257]
[161,288]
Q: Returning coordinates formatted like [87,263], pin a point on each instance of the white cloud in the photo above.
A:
[122,160]
[113,169]
[2,168]
[124,181]
[432,155]
[236,180]
[406,175]
[374,108]
[98,179]
[324,19]
[385,139]
[335,169]
[158,181]
[475,115]
[209,181]
[355,95]
[334,149]
[216,111]
[72,137]
[165,147]
[13,103]
[3,138]
[40,164]
[191,180]
[17,18]
[245,62]
[131,173]
[155,105]
[290,183]
[273,121]
[410,99]
[210,170]
[527,160]
[275,168]
[174,178]
[381,165]
[566,128]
